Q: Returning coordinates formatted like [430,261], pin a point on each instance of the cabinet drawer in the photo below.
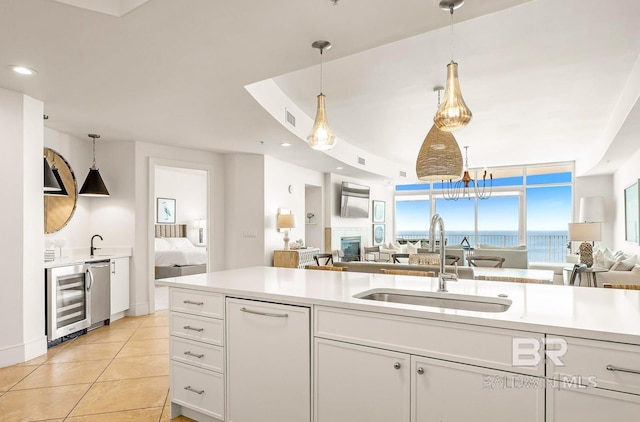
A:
[198,389]
[196,302]
[586,363]
[481,346]
[199,328]
[196,353]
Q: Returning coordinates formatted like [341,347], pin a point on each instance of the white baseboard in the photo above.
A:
[23,352]
[138,309]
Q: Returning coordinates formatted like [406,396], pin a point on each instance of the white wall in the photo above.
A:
[22,319]
[626,175]
[598,186]
[189,188]
[278,176]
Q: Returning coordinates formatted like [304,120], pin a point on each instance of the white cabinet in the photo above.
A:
[268,362]
[357,383]
[119,285]
[448,391]
[196,328]
[594,380]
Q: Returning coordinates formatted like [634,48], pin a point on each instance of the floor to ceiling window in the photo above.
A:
[528,205]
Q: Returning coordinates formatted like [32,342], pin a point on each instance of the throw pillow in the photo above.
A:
[412,248]
[625,264]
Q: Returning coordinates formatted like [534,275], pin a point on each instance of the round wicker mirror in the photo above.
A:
[58,209]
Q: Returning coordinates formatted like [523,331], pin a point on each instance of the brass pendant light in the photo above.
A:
[453,113]
[94,185]
[439,157]
[321,136]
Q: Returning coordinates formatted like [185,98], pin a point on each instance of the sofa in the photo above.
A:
[514,257]
[417,247]
[375,267]
[622,268]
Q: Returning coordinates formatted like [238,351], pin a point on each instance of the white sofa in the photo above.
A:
[514,257]
[412,248]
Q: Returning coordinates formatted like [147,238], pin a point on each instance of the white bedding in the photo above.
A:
[178,251]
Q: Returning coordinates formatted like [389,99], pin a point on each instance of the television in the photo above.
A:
[354,200]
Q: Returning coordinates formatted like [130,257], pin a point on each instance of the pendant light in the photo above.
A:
[93,184]
[456,190]
[321,136]
[453,113]
[439,157]
[50,182]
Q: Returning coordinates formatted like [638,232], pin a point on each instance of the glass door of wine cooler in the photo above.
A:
[68,301]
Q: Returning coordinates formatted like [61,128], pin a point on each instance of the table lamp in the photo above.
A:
[286,222]
[585,232]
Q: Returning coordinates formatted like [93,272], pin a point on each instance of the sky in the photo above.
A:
[548,209]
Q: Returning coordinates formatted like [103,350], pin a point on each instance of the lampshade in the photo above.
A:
[439,157]
[286,221]
[584,231]
[591,209]
[321,136]
[453,113]
[50,182]
[93,184]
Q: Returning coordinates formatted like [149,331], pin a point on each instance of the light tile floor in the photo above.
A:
[118,372]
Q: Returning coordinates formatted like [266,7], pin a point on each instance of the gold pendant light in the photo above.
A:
[453,113]
[439,157]
[321,136]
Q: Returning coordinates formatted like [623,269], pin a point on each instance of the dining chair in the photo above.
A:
[373,254]
[512,279]
[621,286]
[408,272]
[485,261]
[326,256]
[324,268]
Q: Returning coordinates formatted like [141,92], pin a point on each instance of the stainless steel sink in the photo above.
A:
[437,300]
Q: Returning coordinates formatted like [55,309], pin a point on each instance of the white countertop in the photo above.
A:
[81,259]
[605,314]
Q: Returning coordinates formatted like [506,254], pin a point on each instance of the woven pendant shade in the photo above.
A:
[439,157]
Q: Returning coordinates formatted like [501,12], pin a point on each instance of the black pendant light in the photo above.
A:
[50,182]
[93,184]
[56,173]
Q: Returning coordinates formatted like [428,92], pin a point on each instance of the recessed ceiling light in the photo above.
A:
[285,144]
[23,70]
[338,168]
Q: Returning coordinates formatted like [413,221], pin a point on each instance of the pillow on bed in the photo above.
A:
[161,244]
[179,242]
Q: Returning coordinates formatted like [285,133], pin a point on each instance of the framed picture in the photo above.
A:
[378,211]
[631,211]
[378,234]
[166,211]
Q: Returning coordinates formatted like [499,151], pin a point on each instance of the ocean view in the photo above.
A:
[542,246]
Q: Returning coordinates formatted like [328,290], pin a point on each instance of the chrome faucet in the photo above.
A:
[93,249]
[442,276]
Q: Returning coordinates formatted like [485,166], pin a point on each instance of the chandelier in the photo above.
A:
[453,191]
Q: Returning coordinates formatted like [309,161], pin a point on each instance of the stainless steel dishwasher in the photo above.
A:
[99,286]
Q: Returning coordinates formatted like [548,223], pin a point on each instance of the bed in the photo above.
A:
[175,255]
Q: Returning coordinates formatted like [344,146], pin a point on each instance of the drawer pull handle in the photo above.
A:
[188,353]
[193,390]
[249,311]
[421,370]
[615,368]
[188,327]
[397,365]
[191,302]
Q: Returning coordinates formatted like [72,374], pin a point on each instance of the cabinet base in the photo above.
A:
[177,410]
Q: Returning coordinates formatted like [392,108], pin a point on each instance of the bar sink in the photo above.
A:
[437,300]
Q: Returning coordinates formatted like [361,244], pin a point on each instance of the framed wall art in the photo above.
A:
[631,213]
[378,234]
[166,211]
[378,211]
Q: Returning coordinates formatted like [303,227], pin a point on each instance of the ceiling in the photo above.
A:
[545,79]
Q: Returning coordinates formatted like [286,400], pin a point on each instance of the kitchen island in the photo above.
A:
[277,344]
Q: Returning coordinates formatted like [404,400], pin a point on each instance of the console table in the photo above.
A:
[294,258]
